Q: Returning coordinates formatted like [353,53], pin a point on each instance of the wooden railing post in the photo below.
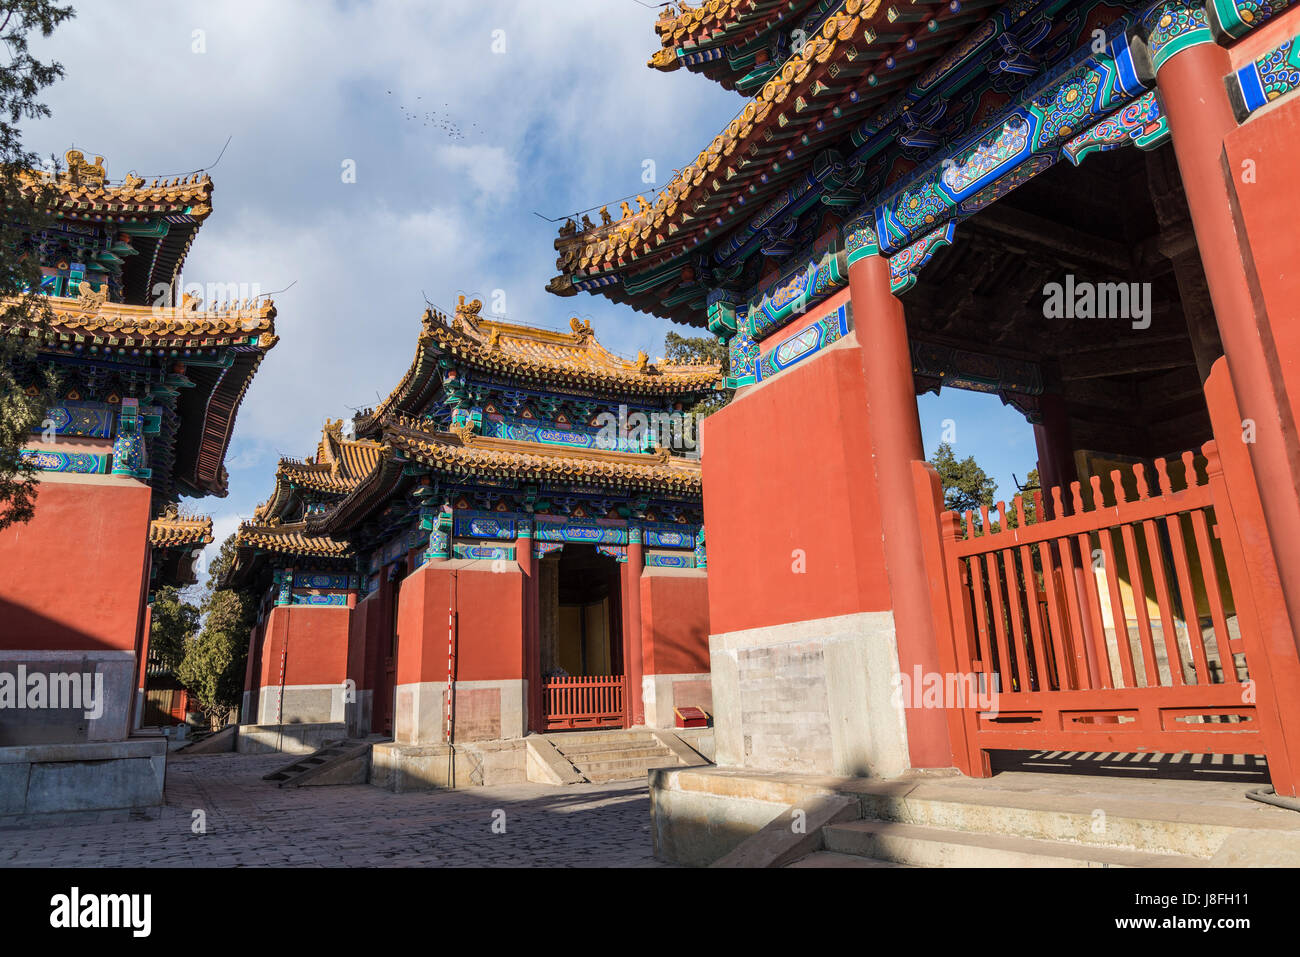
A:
[938,527]
[1273,670]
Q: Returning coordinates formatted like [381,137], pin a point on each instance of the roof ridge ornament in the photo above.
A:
[82,173]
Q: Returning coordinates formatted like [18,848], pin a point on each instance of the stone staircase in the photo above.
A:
[893,844]
[950,832]
[936,819]
[604,756]
[338,762]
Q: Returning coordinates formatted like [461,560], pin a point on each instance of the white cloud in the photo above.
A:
[562,120]
[493,173]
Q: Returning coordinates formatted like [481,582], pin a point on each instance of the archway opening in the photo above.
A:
[581,644]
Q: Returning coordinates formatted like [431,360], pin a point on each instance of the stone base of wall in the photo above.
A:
[699,815]
[423,767]
[483,711]
[288,738]
[109,677]
[813,696]
[359,713]
[701,739]
[302,704]
[61,778]
[663,693]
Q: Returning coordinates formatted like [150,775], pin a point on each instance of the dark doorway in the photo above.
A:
[385,703]
[581,639]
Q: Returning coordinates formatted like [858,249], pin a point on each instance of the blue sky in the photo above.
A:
[464,121]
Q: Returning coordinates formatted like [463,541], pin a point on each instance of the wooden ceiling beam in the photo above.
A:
[1031,231]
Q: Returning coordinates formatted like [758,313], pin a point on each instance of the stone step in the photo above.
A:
[612,776]
[340,762]
[1128,829]
[597,740]
[641,764]
[604,747]
[834,859]
[613,754]
[939,847]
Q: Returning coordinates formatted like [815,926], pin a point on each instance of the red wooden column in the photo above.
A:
[633,662]
[142,667]
[1056,467]
[896,443]
[531,625]
[1190,70]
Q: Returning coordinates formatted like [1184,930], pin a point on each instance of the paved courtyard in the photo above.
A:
[251,822]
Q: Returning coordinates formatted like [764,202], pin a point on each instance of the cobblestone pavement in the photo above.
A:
[251,822]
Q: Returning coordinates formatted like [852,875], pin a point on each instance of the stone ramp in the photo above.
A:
[735,818]
[338,762]
[599,757]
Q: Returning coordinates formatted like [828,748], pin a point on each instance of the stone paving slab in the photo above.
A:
[253,823]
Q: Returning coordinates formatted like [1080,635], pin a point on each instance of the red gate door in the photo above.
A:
[583,701]
[1106,627]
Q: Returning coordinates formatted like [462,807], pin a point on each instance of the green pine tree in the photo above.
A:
[966,486]
[688,349]
[174,623]
[214,663]
[26,389]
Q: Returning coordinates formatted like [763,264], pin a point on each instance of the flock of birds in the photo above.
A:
[440,121]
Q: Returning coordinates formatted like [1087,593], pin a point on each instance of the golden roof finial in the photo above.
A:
[81,172]
[470,308]
[91,298]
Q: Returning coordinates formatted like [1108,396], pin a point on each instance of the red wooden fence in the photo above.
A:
[1028,618]
[583,701]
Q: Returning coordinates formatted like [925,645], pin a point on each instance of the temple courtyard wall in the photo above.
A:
[342,667]
[72,604]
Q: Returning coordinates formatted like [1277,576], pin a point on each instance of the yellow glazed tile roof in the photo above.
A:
[91,318]
[173,530]
[638,232]
[543,353]
[84,187]
[289,539]
[464,452]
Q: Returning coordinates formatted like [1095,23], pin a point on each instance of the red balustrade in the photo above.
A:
[1087,619]
[584,701]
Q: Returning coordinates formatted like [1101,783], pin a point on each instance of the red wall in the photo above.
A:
[490,633]
[318,645]
[364,640]
[674,623]
[788,466]
[73,577]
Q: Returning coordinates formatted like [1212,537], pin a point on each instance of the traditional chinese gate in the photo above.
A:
[1090,624]
[584,701]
